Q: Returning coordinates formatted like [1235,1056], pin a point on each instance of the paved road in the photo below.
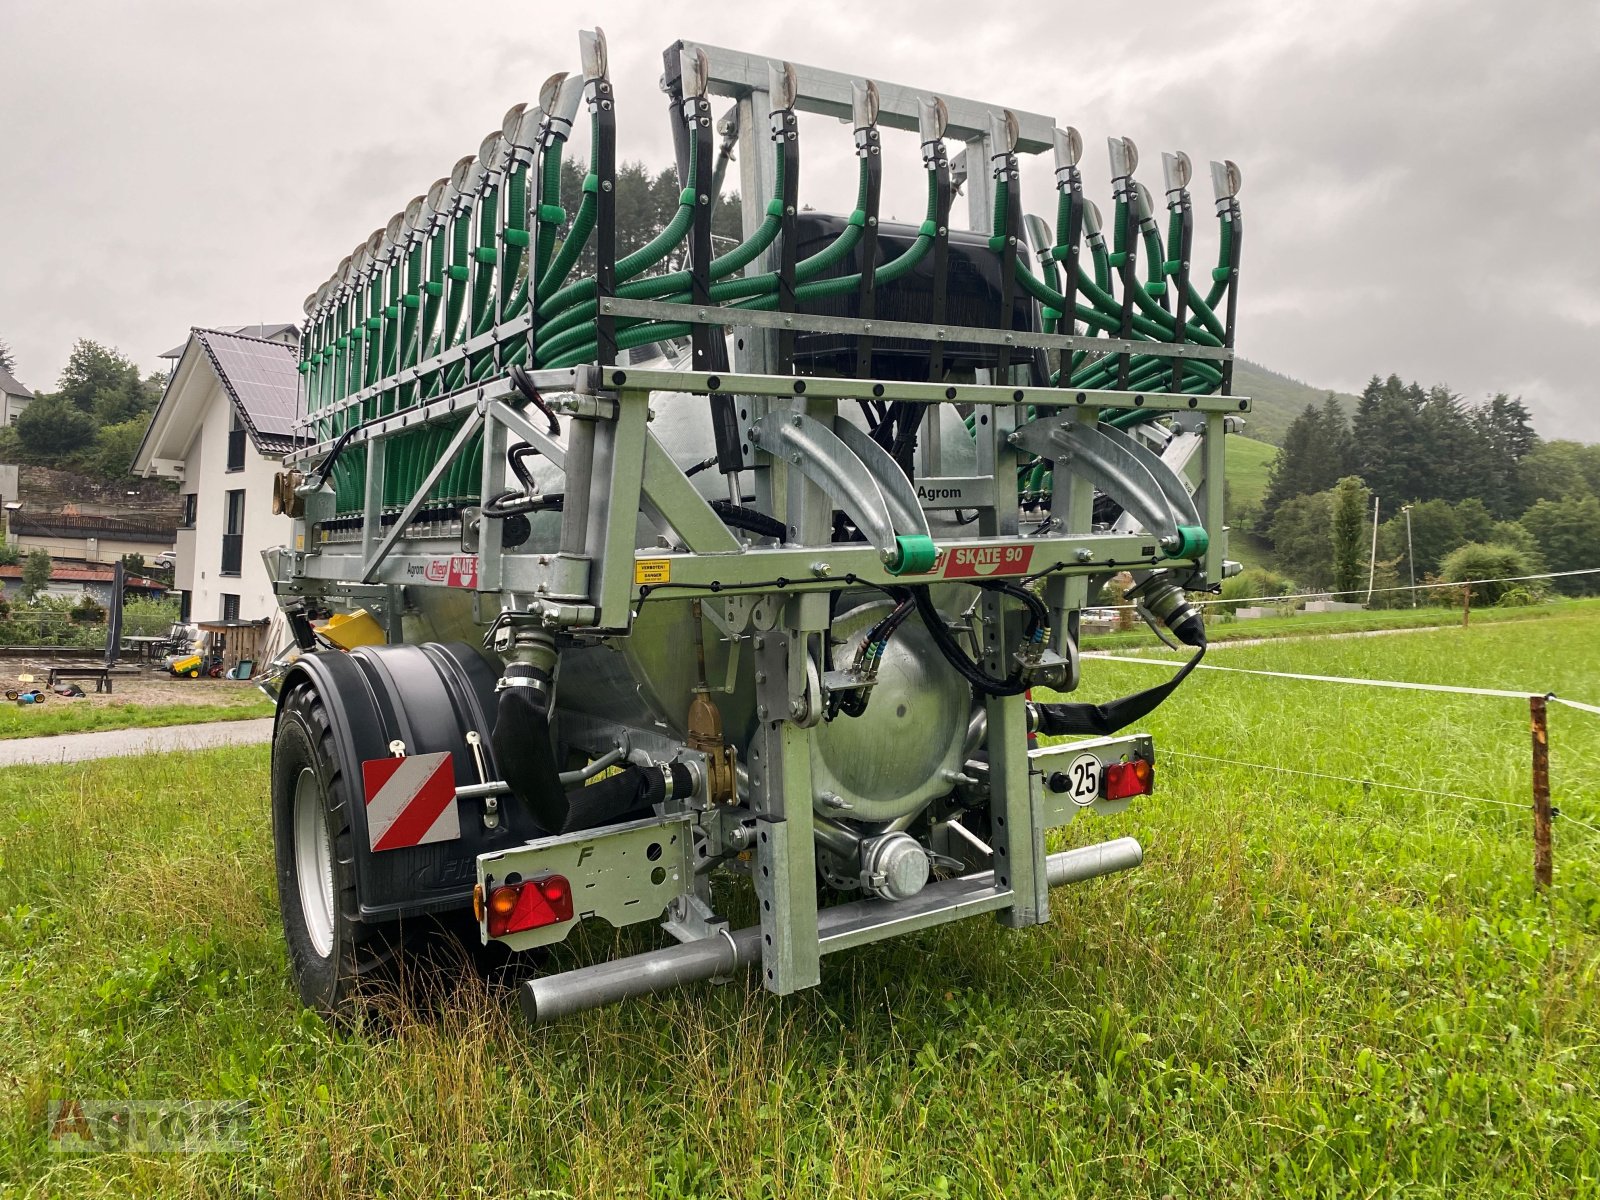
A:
[110,743]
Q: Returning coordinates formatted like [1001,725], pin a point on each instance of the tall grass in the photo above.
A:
[1310,988]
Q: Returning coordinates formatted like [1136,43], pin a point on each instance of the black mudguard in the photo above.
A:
[428,696]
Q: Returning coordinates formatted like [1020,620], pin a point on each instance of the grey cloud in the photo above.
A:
[1420,194]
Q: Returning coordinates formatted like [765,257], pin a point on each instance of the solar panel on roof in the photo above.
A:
[262,376]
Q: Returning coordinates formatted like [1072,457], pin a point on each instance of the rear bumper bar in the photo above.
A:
[838,928]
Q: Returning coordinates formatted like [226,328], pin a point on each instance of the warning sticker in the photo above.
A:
[652,570]
[411,801]
[973,562]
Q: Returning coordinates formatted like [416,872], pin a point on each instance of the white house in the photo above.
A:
[222,428]
[13,398]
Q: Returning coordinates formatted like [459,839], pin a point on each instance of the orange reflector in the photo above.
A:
[1136,777]
[477,902]
[529,905]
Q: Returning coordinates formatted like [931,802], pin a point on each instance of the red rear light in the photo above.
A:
[531,904]
[1136,777]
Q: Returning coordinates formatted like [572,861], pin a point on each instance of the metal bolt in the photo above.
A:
[761,712]
[761,676]
[1084,555]
[605,185]
[822,569]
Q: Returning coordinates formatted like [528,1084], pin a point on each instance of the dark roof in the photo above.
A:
[75,525]
[88,574]
[268,332]
[11,386]
[263,379]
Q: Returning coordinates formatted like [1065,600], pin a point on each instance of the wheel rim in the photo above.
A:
[313,861]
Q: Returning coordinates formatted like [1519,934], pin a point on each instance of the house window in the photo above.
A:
[236,436]
[191,507]
[230,607]
[185,605]
[233,534]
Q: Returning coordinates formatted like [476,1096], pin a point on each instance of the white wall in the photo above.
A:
[88,547]
[205,472]
[11,407]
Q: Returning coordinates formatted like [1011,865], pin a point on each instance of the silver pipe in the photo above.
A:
[554,996]
[610,757]
[835,837]
[977,732]
[1088,862]
[471,791]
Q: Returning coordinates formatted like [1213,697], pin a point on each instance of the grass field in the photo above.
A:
[1310,988]
[57,715]
[1249,462]
[1223,629]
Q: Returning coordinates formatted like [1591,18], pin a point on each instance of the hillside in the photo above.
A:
[44,490]
[1249,462]
[1276,399]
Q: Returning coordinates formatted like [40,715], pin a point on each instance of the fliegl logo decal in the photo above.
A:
[976,562]
[460,571]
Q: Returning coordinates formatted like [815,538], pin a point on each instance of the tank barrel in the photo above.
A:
[555,996]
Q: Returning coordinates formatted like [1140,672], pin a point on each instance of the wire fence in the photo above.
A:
[1325,593]
[1540,808]
[1373,783]
[1404,685]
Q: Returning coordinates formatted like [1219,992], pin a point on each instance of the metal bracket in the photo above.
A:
[834,465]
[1126,471]
[624,873]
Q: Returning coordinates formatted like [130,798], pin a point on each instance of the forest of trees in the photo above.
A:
[646,204]
[1475,476]
[94,419]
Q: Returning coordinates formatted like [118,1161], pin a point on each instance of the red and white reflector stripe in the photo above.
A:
[411,801]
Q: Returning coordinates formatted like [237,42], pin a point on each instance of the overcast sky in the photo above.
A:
[1422,180]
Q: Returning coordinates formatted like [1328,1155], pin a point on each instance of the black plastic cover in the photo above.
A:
[973,299]
[427,696]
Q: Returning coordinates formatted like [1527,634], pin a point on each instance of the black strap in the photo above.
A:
[1107,718]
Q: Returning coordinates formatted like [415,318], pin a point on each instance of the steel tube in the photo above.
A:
[637,975]
[657,970]
[1087,862]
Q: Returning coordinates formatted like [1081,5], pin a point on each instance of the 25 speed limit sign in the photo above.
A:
[1083,780]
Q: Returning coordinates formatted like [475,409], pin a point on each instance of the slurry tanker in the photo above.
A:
[732,587]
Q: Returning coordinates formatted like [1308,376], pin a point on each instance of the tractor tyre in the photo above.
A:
[341,963]
[193,672]
[345,965]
